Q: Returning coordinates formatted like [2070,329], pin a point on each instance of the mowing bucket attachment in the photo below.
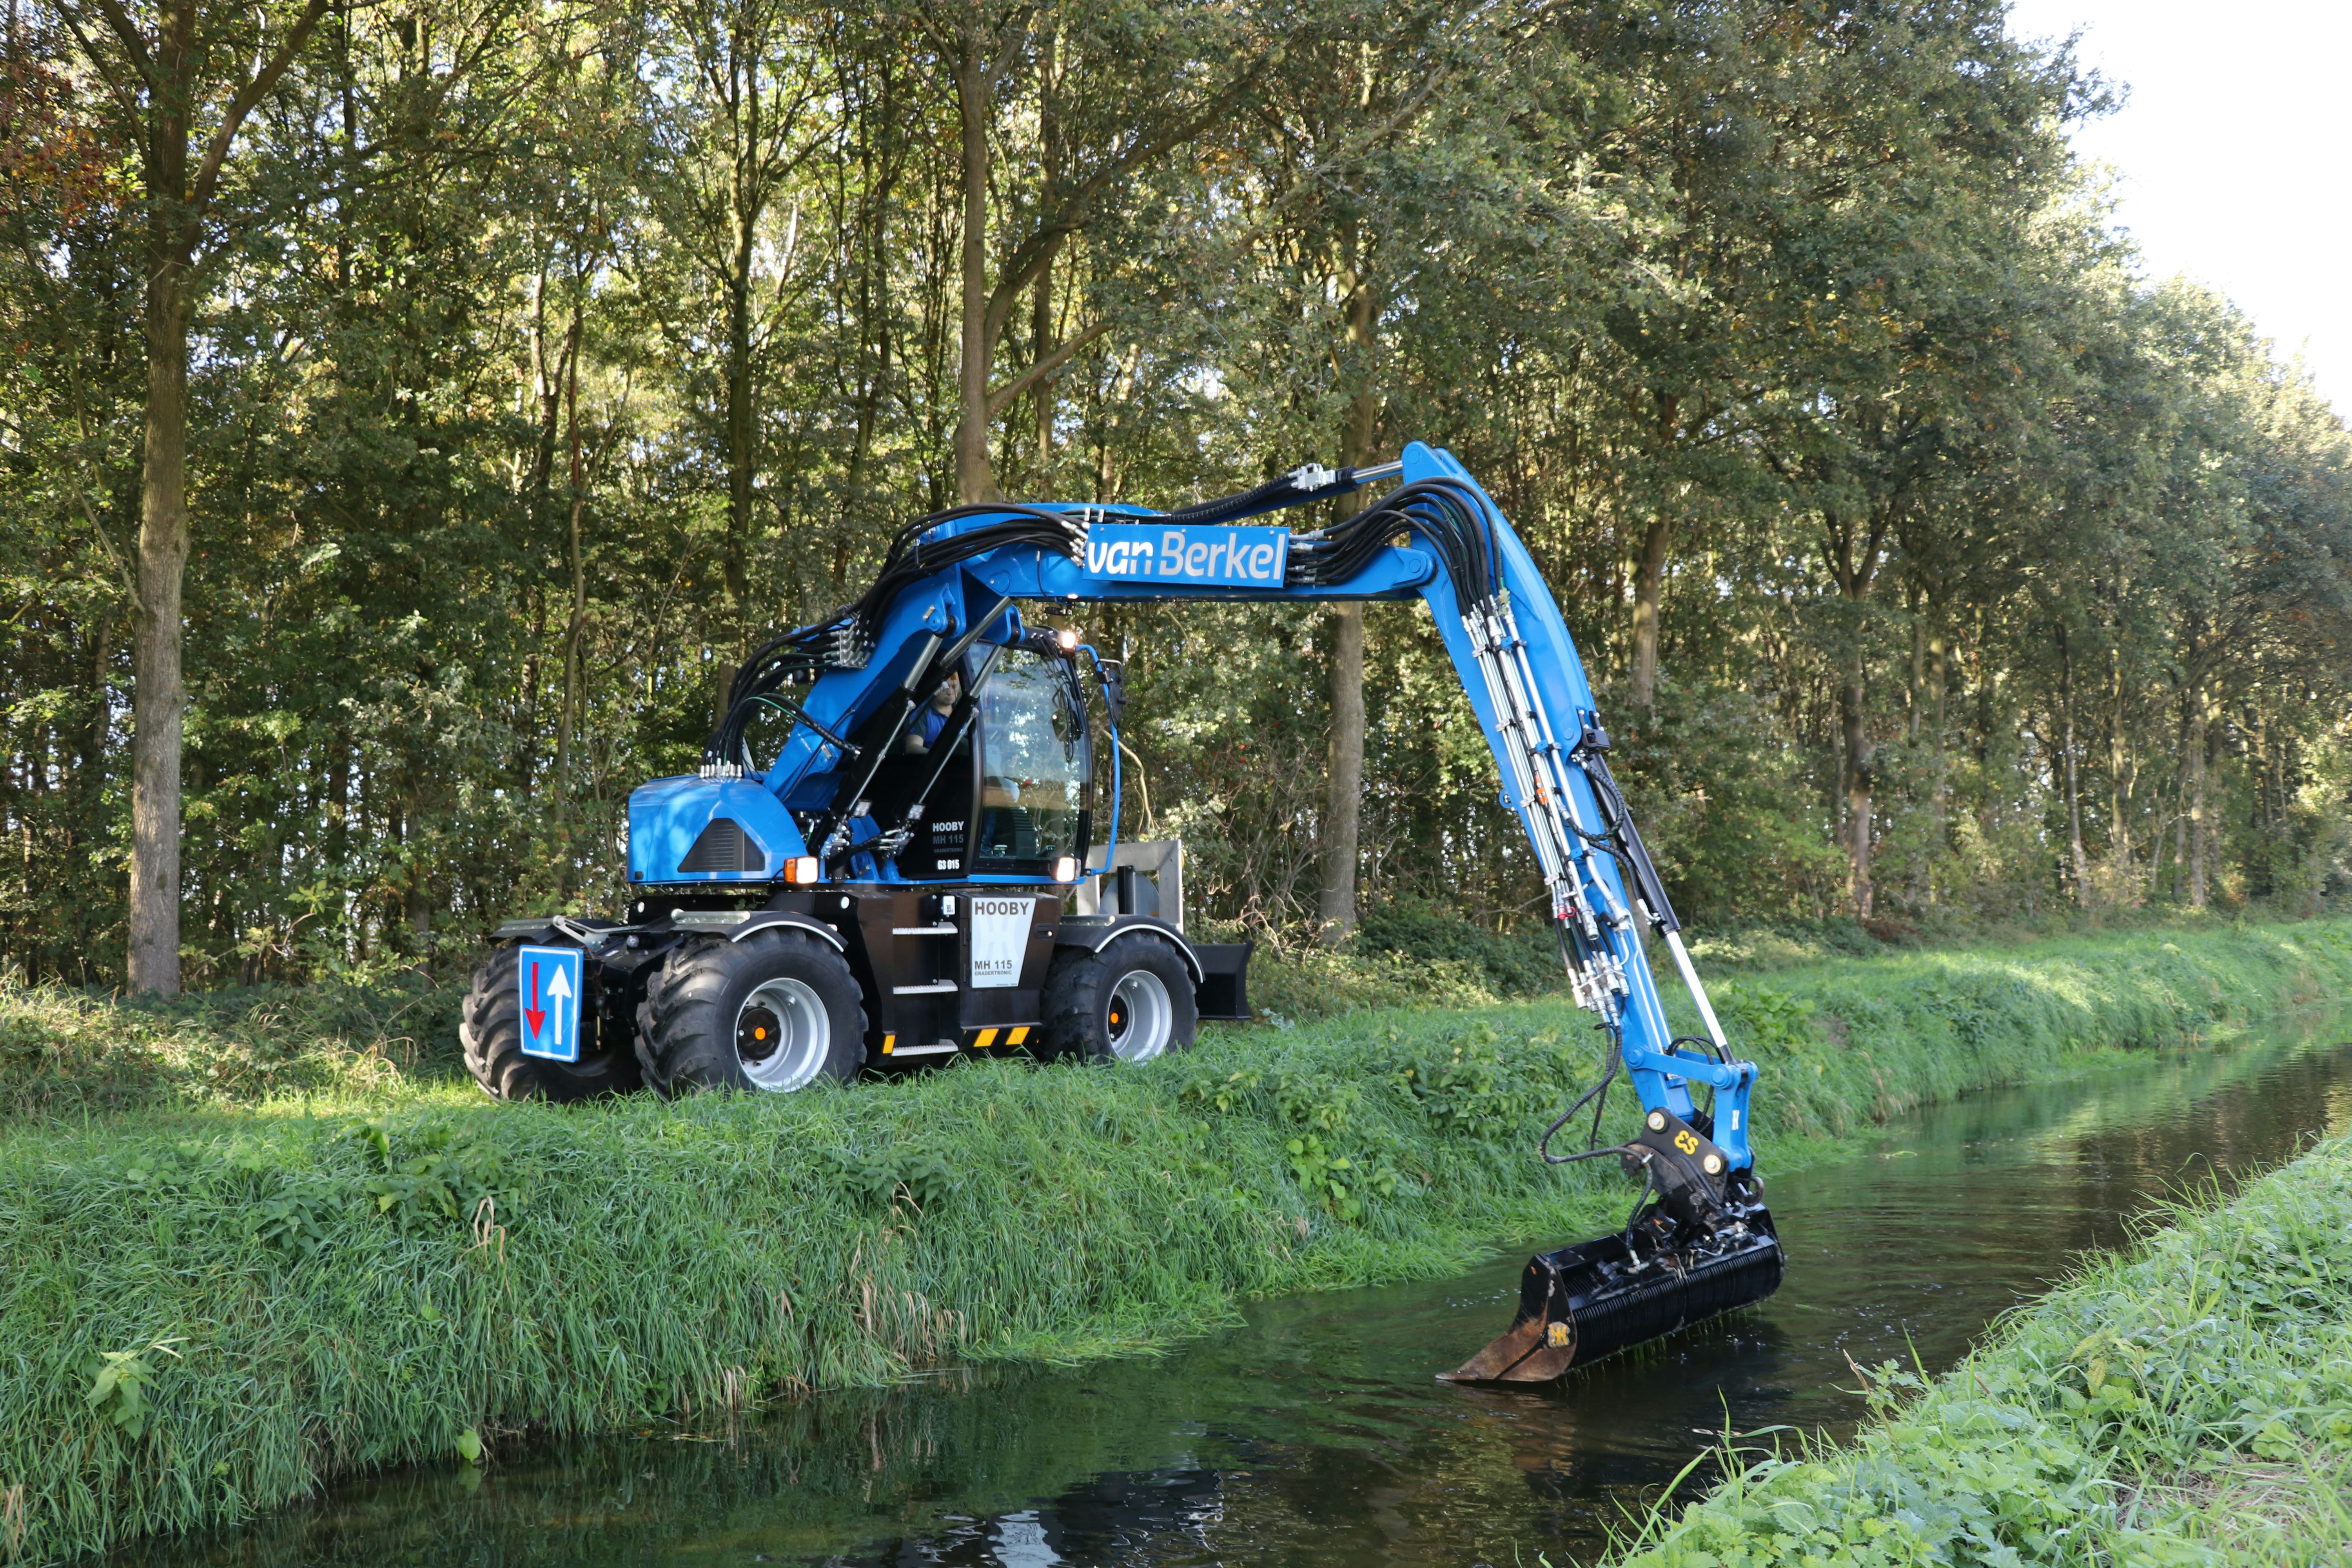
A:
[1703,1246]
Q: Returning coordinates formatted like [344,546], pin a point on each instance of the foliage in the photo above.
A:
[542,364]
[2126,1417]
[643,1257]
[1523,964]
[358,1036]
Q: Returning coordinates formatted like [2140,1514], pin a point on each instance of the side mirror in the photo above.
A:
[1113,688]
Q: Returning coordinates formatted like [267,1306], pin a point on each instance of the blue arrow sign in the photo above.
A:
[548,982]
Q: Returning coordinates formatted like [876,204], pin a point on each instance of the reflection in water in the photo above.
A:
[1317,1434]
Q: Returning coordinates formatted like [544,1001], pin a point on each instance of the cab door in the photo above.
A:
[1035,766]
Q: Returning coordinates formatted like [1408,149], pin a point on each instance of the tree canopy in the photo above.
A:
[526,364]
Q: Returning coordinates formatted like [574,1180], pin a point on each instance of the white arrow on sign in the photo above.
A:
[559,990]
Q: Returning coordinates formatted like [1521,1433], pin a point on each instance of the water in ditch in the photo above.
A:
[1315,1433]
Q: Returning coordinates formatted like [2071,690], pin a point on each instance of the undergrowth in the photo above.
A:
[2191,1404]
[66,1052]
[209,1305]
[1415,954]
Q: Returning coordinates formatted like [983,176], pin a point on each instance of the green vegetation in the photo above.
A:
[355,1038]
[2191,1405]
[1935,567]
[214,1303]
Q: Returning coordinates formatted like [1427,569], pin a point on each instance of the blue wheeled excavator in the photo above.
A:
[894,886]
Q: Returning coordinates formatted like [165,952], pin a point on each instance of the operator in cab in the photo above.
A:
[933,718]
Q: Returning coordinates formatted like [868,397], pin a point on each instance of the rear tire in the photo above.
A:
[1131,1002]
[772,1013]
[491,1033]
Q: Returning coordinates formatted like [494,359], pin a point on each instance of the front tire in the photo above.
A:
[772,1013]
[1131,1002]
[490,1030]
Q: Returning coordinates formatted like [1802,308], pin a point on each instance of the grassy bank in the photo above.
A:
[215,1302]
[2190,1405]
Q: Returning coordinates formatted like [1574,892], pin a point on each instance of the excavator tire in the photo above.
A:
[490,1031]
[1128,1002]
[772,1013]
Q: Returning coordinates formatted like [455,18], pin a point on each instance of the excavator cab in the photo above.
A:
[997,782]
[1034,764]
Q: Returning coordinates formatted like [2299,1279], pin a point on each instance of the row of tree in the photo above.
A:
[416,409]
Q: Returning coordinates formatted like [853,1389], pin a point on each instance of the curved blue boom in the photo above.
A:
[1517,663]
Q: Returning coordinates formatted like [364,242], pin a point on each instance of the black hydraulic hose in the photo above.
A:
[1444,512]
[1599,1091]
[1617,824]
[1281,490]
[1649,1186]
[930,660]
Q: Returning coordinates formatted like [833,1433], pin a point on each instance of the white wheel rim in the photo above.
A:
[1140,1017]
[782,1036]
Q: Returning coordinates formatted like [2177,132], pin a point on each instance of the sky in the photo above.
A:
[2232,153]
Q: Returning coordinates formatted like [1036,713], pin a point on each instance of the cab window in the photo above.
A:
[1033,766]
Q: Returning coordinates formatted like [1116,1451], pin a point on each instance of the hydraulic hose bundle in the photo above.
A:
[1445,513]
[845,638]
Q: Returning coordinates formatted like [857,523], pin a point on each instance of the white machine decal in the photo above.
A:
[1000,934]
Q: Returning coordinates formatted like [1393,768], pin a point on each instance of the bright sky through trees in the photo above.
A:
[2232,149]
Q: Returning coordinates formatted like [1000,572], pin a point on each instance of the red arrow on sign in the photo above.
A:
[535,1013]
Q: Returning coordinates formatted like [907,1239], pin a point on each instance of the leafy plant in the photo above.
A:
[294,1219]
[118,1386]
[922,1179]
[432,1175]
[1223,1093]
[1339,1182]
[1760,1018]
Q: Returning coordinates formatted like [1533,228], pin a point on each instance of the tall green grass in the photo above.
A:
[209,1306]
[68,1054]
[1848,1043]
[2188,1406]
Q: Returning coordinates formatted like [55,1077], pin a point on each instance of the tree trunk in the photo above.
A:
[567,719]
[1913,699]
[157,700]
[742,459]
[1342,815]
[1649,589]
[1938,680]
[975,479]
[1041,320]
[2194,754]
[1343,806]
[2073,792]
[1861,774]
[742,456]
[173,61]
[1650,574]
[1854,570]
[93,776]
[2120,779]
